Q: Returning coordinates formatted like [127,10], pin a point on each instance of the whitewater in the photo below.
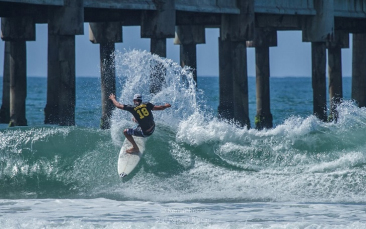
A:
[197,171]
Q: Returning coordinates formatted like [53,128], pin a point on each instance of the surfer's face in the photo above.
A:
[136,102]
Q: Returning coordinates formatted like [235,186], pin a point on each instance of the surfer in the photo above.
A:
[142,115]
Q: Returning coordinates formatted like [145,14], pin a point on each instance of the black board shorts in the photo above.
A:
[137,131]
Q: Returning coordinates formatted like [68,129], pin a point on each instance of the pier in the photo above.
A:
[243,24]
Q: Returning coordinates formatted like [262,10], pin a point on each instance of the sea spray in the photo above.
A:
[134,70]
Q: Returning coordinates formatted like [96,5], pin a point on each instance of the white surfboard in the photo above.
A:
[128,161]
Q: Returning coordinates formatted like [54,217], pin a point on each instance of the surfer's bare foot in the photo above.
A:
[132,150]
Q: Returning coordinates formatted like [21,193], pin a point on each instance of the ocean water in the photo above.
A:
[197,171]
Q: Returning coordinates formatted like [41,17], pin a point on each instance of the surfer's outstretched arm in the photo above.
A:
[162,107]
[115,102]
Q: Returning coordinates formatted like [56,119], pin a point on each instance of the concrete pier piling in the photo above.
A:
[263,118]
[158,46]
[63,24]
[188,37]
[158,71]
[51,111]
[318,57]
[106,34]
[18,83]
[158,25]
[67,93]
[17,31]
[188,57]
[108,82]
[318,30]
[5,106]
[335,72]
[226,102]
[359,69]
[335,80]
[240,84]
[262,41]
[235,30]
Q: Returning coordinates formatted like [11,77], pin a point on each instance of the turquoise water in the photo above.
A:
[197,172]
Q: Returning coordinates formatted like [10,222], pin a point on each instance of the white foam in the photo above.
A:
[103,213]
[345,161]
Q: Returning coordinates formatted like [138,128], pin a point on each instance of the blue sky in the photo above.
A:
[291,57]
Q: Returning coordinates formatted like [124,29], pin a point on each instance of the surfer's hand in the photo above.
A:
[167,105]
[112,96]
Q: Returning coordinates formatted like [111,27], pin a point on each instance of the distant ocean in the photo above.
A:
[197,172]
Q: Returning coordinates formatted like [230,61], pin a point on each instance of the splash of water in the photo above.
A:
[134,70]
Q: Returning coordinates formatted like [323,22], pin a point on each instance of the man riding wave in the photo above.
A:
[142,115]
